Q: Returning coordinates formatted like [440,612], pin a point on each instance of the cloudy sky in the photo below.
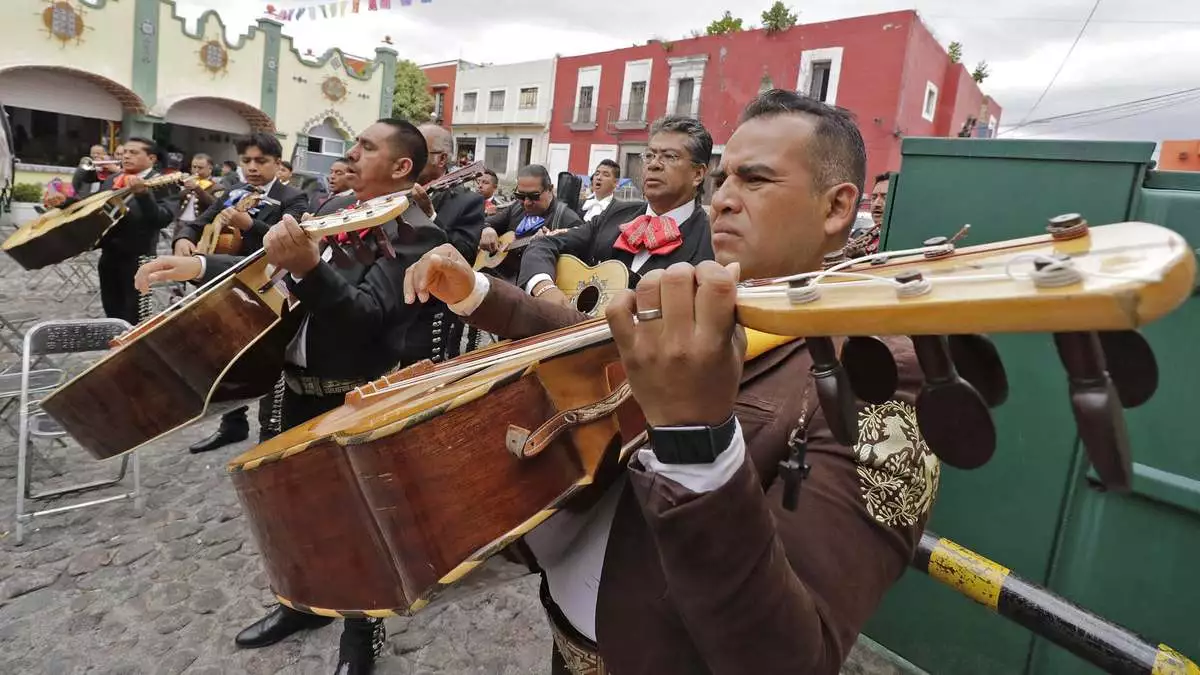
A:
[1130,50]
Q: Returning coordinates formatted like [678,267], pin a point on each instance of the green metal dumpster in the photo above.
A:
[1131,558]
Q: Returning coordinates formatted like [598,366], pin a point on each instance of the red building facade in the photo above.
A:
[441,78]
[886,68]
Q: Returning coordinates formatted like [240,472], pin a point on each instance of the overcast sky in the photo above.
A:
[1131,50]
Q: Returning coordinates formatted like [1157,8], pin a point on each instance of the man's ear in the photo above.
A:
[402,168]
[841,207]
[698,180]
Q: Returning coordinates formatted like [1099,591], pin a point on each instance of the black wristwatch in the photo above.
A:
[691,445]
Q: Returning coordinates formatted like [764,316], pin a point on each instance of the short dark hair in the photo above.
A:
[886,175]
[616,168]
[150,146]
[838,153]
[230,163]
[202,156]
[495,178]
[699,143]
[536,171]
[287,165]
[407,141]
[266,143]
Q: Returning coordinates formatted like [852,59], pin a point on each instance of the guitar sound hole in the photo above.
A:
[588,299]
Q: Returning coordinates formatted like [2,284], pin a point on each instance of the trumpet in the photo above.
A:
[89,164]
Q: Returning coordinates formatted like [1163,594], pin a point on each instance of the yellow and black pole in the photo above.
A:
[1100,642]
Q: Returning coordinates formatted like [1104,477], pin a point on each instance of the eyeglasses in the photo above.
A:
[668,158]
[527,196]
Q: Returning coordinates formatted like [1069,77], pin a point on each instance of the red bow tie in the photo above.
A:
[657,234]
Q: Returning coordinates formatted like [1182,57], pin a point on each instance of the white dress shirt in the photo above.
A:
[680,214]
[570,546]
[594,207]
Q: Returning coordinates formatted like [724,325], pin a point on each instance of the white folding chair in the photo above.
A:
[73,336]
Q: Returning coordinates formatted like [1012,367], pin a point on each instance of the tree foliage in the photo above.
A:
[955,52]
[779,18]
[412,100]
[725,24]
[981,72]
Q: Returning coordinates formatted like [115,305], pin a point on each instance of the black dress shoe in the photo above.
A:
[362,640]
[224,436]
[277,625]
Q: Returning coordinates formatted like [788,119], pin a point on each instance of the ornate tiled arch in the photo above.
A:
[321,116]
[129,100]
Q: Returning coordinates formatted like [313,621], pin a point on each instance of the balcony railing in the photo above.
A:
[584,119]
[633,116]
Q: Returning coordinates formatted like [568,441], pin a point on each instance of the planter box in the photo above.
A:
[22,212]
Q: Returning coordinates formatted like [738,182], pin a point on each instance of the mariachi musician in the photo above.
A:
[199,192]
[135,235]
[260,162]
[353,325]
[459,211]
[689,562]
[534,211]
[667,228]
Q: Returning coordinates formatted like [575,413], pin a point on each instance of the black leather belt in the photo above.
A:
[310,385]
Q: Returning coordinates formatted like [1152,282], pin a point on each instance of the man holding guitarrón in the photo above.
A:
[689,563]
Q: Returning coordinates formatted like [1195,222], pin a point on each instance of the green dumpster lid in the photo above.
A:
[1174,180]
[1080,151]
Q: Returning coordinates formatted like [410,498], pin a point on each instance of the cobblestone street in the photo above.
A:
[164,588]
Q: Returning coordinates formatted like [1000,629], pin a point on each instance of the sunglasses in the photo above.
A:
[527,196]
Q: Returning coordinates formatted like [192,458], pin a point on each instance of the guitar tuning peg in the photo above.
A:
[1131,365]
[833,391]
[870,369]
[953,417]
[1097,408]
[977,360]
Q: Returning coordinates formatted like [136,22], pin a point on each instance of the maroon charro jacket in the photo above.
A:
[729,582]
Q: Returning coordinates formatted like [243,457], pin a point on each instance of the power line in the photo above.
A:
[1162,105]
[1062,65]
[1115,107]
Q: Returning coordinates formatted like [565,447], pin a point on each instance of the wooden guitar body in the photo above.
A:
[374,508]
[590,289]
[62,234]
[227,242]
[179,367]
[490,261]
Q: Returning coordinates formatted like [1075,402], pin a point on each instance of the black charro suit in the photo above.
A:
[292,202]
[459,211]
[593,243]
[135,235]
[558,217]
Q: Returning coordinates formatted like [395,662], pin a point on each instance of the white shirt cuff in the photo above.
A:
[537,279]
[701,478]
[471,303]
[203,267]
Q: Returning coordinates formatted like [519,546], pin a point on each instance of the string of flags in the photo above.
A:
[333,10]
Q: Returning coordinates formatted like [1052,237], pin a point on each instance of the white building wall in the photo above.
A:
[514,121]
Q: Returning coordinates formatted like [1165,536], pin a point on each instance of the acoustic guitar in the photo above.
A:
[221,237]
[588,288]
[377,506]
[213,350]
[62,234]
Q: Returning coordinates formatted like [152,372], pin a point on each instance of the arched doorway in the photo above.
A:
[210,125]
[323,139]
[57,113]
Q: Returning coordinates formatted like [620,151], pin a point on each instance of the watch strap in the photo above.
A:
[691,445]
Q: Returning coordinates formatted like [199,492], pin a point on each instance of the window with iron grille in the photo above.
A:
[637,102]
[469,101]
[529,98]
[496,100]
[584,113]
